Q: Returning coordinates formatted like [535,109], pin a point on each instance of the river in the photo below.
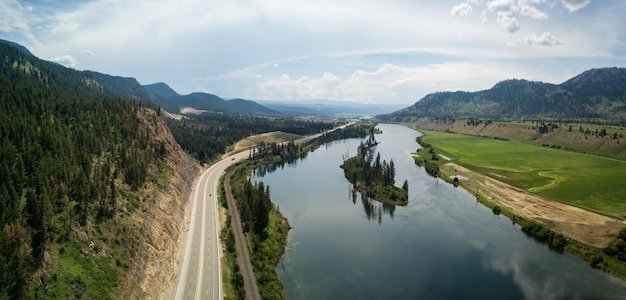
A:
[442,245]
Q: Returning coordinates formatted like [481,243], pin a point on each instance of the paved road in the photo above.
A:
[311,137]
[200,276]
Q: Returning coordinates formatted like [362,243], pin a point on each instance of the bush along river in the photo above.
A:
[442,245]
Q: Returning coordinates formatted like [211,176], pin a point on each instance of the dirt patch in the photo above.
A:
[270,137]
[457,168]
[585,226]
[172,116]
[191,111]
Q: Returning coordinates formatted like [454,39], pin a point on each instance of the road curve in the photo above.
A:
[200,273]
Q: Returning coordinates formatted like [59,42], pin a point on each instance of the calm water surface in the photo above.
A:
[443,245]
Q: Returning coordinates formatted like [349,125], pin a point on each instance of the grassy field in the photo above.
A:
[591,182]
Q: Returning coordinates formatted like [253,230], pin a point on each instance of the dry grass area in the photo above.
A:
[587,227]
[270,137]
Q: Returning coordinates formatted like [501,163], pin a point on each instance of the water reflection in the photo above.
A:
[450,246]
[539,281]
[273,167]
[374,210]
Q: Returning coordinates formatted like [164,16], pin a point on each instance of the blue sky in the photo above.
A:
[392,51]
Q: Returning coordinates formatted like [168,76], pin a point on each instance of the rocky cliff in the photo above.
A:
[156,262]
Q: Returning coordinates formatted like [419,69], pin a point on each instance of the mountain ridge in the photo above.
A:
[128,88]
[596,95]
[18,46]
[163,95]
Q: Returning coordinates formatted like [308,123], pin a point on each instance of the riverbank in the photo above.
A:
[588,233]
[267,248]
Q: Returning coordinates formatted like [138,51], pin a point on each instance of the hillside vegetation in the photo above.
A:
[595,96]
[206,137]
[82,164]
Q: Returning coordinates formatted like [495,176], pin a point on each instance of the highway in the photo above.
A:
[200,274]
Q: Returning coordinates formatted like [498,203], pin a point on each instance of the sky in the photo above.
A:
[390,52]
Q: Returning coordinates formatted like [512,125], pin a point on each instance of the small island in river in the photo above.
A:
[373,178]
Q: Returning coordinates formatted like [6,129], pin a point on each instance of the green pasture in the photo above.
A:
[587,181]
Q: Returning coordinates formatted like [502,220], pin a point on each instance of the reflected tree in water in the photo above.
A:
[374,210]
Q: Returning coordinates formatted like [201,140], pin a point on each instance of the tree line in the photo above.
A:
[208,136]
[287,151]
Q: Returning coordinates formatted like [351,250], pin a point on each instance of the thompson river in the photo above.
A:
[442,245]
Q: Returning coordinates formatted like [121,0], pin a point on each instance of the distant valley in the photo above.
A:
[164,96]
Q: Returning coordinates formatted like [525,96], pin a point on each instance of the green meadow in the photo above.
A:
[591,182]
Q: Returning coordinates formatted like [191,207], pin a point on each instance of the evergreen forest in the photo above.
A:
[69,150]
[373,177]
[208,136]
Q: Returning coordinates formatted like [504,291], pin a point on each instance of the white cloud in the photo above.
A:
[66,60]
[500,5]
[461,9]
[546,39]
[89,53]
[507,11]
[14,18]
[531,11]
[507,21]
[483,16]
[387,83]
[574,5]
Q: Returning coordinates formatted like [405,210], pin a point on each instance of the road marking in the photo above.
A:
[202,235]
[185,268]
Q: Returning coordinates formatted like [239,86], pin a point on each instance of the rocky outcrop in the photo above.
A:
[155,268]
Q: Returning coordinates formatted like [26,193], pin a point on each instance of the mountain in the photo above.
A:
[116,86]
[163,95]
[160,89]
[328,108]
[17,46]
[85,174]
[595,95]
[90,82]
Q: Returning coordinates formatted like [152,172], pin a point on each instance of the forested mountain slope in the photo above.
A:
[597,95]
[163,95]
[82,164]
